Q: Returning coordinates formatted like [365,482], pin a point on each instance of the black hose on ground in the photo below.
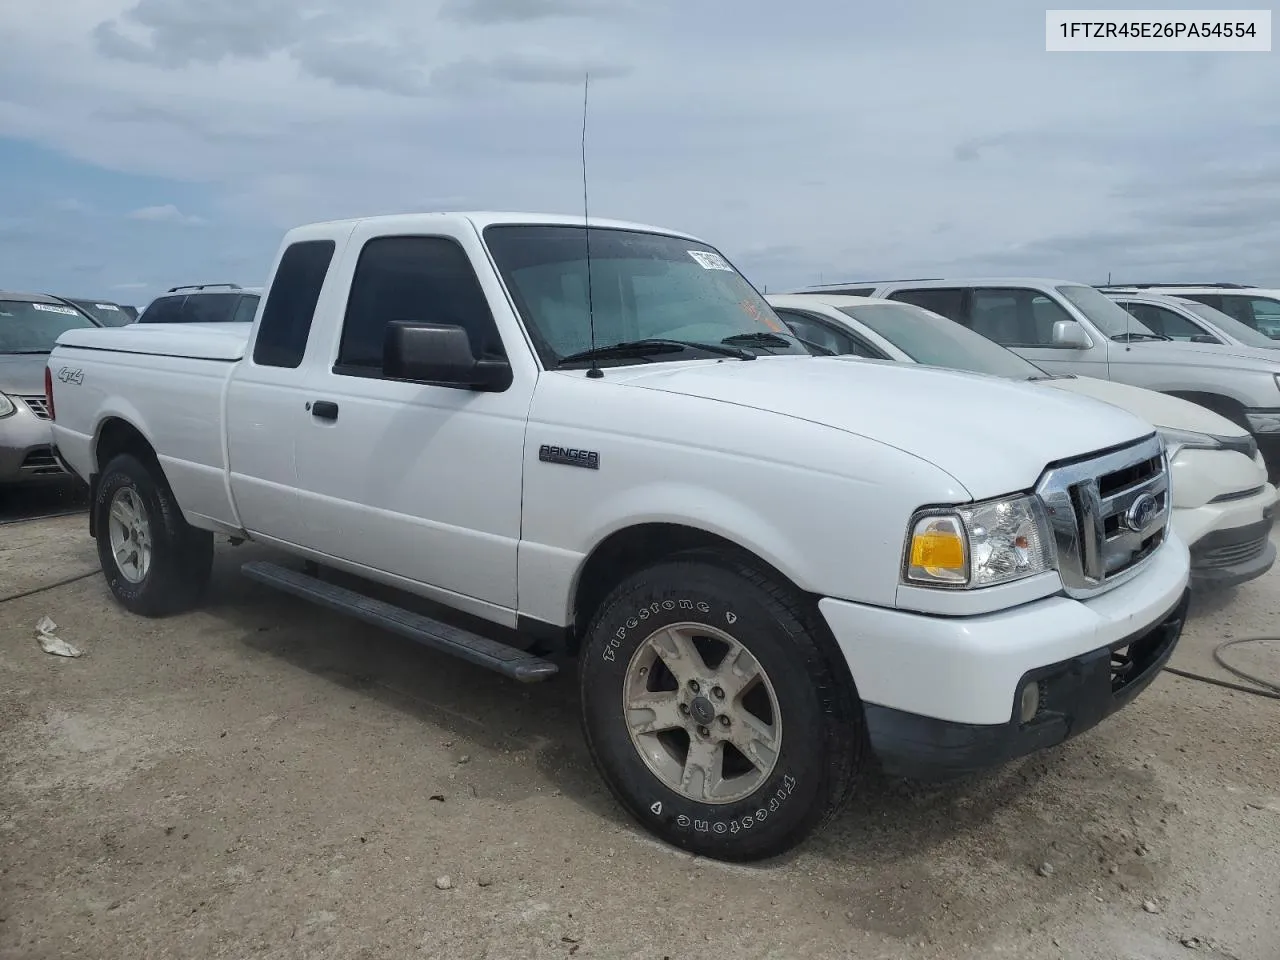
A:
[49,586]
[1268,689]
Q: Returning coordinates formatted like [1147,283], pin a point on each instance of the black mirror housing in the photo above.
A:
[439,353]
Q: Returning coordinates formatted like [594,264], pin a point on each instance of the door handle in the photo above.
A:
[324,409]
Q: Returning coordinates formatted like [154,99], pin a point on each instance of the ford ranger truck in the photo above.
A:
[602,442]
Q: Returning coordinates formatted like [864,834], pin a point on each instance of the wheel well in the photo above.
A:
[1233,410]
[633,548]
[118,436]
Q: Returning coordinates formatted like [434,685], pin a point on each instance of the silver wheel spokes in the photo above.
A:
[130,534]
[702,713]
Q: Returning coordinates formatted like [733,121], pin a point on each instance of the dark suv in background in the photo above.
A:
[204,303]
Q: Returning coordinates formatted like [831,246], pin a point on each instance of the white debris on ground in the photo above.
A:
[50,642]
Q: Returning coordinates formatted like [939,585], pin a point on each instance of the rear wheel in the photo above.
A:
[154,561]
[715,711]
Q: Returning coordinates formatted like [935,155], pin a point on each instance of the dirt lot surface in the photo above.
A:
[264,779]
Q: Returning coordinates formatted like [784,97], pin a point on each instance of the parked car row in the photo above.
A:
[1222,500]
[29,327]
[773,564]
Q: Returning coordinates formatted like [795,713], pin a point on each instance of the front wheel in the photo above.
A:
[154,561]
[716,712]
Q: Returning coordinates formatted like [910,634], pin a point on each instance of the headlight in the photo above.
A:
[979,545]
[1175,440]
[7,409]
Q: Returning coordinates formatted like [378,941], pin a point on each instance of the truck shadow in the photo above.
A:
[1052,807]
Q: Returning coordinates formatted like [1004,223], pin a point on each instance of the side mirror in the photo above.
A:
[1204,338]
[439,353]
[1069,333]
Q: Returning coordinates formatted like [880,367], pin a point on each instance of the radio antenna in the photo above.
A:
[595,373]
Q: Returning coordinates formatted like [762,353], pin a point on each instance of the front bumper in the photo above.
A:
[1228,557]
[967,671]
[26,454]
[1075,695]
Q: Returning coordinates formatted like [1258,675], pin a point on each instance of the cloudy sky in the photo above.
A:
[145,143]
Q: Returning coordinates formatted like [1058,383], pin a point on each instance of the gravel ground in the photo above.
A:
[263,779]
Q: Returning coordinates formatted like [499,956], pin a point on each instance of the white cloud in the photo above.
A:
[165,213]
[815,138]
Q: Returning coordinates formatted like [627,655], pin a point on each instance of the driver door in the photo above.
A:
[416,481]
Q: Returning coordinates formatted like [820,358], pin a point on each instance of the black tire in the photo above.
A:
[182,555]
[823,737]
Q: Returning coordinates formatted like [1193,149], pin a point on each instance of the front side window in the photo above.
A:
[414,279]
[930,339]
[1016,317]
[813,330]
[641,286]
[34,327]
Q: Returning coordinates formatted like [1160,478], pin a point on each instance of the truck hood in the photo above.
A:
[1228,355]
[994,436]
[23,374]
[1156,408]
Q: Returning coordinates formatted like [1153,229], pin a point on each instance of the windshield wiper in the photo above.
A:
[652,345]
[766,338]
[1132,337]
[25,353]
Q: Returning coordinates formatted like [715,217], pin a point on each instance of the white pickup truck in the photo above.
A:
[771,565]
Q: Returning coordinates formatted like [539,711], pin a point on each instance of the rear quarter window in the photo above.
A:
[291,303]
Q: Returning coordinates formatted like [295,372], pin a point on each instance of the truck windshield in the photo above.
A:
[27,327]
[931,339]
[643,286]
[1109,317]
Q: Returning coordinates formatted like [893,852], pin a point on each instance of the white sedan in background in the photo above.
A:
[1222,502]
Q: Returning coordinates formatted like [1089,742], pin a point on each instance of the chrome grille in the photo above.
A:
[39,406]
[1108,514]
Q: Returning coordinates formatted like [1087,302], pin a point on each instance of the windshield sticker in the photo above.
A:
[107,306]
[709,261]
[752,309]
[54,308]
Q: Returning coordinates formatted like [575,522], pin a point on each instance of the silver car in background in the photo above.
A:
[1180,318]
[29,326]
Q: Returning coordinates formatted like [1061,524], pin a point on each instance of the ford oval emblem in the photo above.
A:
[1140,512]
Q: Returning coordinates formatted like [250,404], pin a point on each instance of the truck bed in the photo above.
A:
[167,381]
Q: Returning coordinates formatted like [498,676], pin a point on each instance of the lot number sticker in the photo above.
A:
[710,261]
[53,308]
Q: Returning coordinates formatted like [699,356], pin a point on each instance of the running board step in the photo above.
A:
[500,657]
